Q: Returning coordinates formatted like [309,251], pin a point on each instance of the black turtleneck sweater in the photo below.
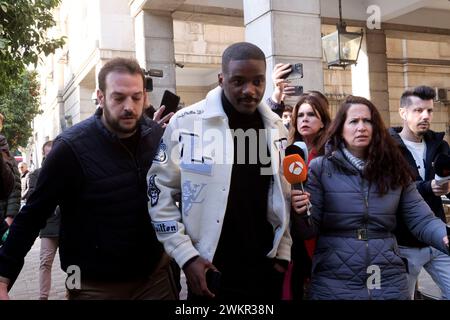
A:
[246,235]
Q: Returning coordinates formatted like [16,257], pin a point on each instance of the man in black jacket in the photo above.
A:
[420,146]
[96,173]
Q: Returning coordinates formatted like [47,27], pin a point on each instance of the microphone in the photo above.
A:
[295,170]
[441,167]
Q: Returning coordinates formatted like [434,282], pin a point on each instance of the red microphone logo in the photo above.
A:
[295,169]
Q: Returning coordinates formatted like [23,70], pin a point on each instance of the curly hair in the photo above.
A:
[385,166]
[320,108]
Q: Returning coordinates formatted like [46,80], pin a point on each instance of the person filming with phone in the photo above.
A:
[282,85]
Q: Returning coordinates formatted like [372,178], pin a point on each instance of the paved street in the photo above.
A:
[27,285]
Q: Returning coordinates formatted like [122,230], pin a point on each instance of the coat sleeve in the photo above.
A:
[61,166]
[13,202]
[304,227]
[6,170]
[164,190]
[424,188]
[33,176]
[284,247]
[420,219]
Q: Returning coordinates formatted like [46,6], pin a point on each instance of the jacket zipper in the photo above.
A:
[365,225]
[138,168]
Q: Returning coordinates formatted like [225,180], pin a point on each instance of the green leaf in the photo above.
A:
[17,127]
[23,28]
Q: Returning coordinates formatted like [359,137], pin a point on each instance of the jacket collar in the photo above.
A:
[429,137]
[432,139]
[338,158]
[214,108]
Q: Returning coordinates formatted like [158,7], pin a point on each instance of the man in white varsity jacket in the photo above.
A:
[220,160]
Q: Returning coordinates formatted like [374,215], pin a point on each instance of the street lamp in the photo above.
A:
[341,48]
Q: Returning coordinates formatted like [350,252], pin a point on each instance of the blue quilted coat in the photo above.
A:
[356,256]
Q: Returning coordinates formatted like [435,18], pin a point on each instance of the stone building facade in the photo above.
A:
[185,39]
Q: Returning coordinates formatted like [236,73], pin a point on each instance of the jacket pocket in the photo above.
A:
[320,258]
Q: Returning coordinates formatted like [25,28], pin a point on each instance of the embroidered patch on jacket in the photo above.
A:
[153,191]
[161,153]
[190,194]
[165,226]
[192,112]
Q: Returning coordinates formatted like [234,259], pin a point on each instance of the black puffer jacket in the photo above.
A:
[105,227]
[10,207]
[343,202]
[51,229]
[6,170]
[435,145]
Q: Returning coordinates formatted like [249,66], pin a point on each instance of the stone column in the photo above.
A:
[370,75]
[155,49]
[288,32]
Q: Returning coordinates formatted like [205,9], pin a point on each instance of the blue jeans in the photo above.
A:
[435,262]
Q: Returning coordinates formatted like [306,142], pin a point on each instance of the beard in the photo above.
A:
[114,123]
[421,131]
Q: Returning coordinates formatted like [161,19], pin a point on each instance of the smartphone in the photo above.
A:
[296,72]
[170,101]
[213,280]
[298,91]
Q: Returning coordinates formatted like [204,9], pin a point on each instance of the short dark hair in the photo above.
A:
[48,143]
[422,92]
[241,51]
[288,108]
[124,65]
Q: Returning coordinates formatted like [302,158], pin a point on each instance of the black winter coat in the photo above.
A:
[435,145]
[105,227]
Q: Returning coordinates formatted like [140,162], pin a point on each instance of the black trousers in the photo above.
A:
[252,282]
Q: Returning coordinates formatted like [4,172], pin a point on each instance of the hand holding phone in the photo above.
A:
[170,101]
[213,280]
[296,72]
[293,90]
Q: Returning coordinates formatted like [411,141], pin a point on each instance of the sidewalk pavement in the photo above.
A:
[27,284]
[427,286]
